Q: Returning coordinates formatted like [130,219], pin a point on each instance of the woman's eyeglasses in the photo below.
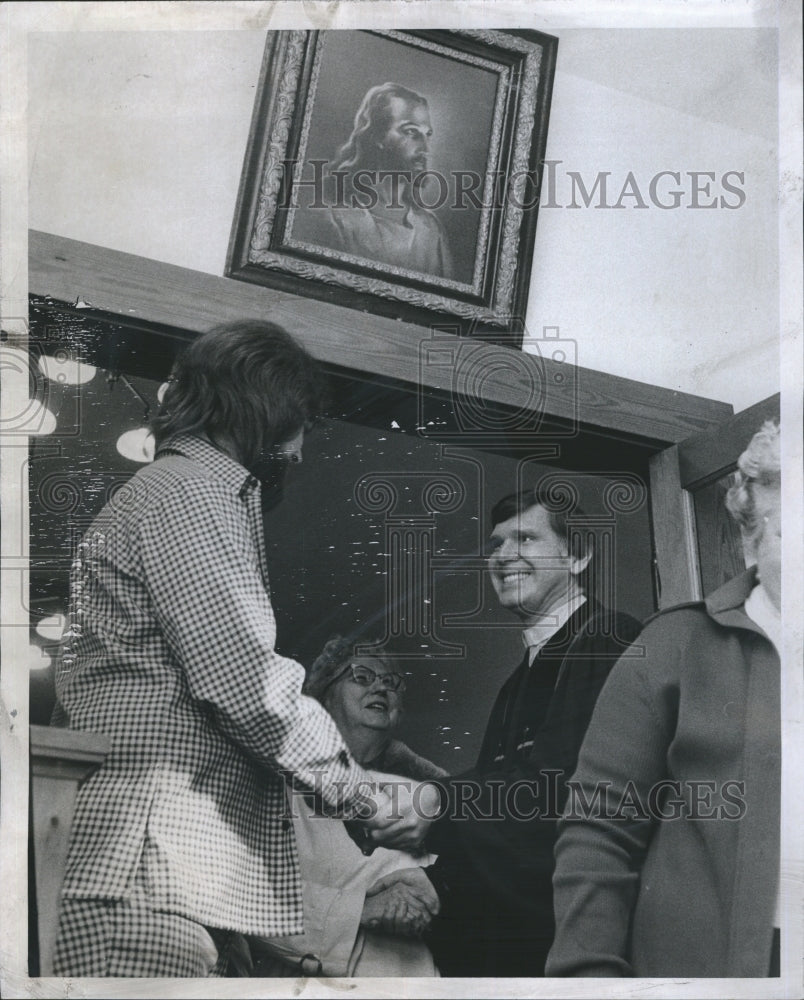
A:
[365,677]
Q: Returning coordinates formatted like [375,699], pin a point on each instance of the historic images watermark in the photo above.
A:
[542,797]
[550,185]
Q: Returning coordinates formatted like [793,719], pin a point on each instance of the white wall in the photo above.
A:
[684,298]
[136,142]
[136,139]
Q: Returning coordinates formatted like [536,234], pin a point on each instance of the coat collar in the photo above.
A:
[732,594]
[726,605]
[216,461]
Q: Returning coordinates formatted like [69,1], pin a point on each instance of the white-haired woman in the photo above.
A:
[674,871]
[350,930]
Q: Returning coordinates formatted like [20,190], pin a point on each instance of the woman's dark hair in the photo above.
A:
[559,505]
[249,381]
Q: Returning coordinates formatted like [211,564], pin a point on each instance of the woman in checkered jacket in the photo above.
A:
[179,841]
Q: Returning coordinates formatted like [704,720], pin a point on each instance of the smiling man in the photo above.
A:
[497,827]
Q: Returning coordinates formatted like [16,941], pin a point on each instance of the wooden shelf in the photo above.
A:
[144,289]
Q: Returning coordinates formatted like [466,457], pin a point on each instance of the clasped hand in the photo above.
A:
[403,812]
[403,902]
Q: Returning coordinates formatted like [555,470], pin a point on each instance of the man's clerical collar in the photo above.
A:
[535,636]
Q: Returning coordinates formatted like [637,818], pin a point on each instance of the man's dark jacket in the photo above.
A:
[497,830]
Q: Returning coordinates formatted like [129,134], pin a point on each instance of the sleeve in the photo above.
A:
[211,605]
[603,840]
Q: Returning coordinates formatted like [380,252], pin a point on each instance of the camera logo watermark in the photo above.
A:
[540,378]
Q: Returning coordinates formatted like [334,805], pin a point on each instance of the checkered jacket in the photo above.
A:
[169,650]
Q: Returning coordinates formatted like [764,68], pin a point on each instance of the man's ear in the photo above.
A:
[579,563]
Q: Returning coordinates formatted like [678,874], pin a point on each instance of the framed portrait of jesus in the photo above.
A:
[398,172]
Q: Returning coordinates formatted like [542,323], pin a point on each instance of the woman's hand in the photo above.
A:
[403,902]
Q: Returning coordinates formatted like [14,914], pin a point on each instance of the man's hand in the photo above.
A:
[404,822]
[403,902]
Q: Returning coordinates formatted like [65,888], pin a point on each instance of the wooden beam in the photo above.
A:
[145,289]
[711,454]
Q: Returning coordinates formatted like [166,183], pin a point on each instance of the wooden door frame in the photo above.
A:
[677,434]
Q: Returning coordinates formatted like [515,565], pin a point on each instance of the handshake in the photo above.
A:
[399,812]
[403,903]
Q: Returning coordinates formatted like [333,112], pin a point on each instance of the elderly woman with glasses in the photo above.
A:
[668,860]
[350,930]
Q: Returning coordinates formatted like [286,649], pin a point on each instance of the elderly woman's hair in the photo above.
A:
[249,380]
[372,122]
[333,660]
[758,469]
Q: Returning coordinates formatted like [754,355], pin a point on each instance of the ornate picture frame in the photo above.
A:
[399,173]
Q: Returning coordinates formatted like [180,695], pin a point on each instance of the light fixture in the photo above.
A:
[31,418]
[51,627]
[19,413]
[42,421]
[63,367]
[137,445]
